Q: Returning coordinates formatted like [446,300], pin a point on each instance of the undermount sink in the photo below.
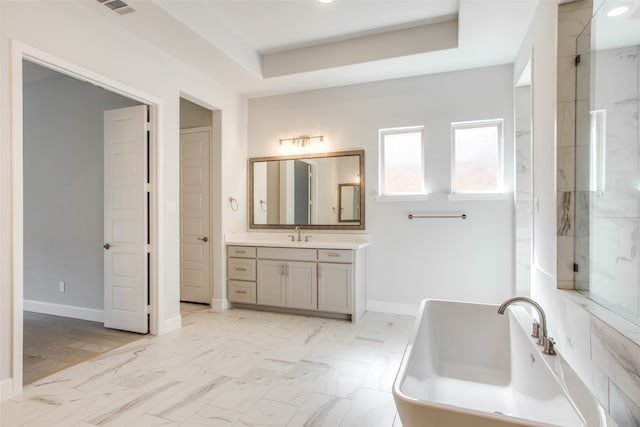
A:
[465,365]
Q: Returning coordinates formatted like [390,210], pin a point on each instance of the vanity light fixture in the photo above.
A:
[617,11]
[301,143]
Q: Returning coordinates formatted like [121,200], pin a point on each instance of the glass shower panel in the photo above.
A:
[608,165]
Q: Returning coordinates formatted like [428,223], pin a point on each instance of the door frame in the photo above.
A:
[19,52]
[212,237]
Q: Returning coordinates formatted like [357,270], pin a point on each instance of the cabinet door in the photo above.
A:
[335,284]
[271,283]
[302,285]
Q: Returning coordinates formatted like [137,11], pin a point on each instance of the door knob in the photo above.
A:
[204,239]
[106,246]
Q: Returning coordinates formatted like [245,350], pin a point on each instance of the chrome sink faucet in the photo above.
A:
[544,340]
[297,231]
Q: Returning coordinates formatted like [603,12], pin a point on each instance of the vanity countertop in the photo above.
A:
[282,240]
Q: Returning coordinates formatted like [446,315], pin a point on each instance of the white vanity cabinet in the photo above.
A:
[335,280]
[241,272]
[288,284]
[324,281]
[288,277]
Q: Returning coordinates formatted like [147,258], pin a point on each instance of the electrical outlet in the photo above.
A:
[61,286]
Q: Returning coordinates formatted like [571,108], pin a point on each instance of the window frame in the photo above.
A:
[386,196]
[499,123]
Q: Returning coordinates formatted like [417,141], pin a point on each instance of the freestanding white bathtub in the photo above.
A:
[466,365]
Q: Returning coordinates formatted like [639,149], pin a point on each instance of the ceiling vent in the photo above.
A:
[118,6]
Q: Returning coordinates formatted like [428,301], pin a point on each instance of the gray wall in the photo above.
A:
[63,187]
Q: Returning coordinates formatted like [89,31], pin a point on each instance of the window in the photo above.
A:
[476,165]
[401,161]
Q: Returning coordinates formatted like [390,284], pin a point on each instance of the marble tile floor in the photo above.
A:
[53,343]
[236,368]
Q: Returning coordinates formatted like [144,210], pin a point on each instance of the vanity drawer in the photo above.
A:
[241,269]
[242,292]
[289,254]
[241,251]
[335,255]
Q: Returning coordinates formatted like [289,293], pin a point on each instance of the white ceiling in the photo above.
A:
[233,36]
[269,26]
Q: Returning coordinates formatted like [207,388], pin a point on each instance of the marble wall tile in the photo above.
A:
[624,411]
[617,356]
[566,168]
[572,19]
[565,258]
[566,124]
[565,206]
[615,264]
[566,78]
[582,213]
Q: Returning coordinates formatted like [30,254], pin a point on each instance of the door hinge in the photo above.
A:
[147,187]
[575,267]
[147,249]
[147,309]
[147,126]
[578,59]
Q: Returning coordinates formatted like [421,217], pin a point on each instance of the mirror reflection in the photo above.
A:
[348,202]
[323,191]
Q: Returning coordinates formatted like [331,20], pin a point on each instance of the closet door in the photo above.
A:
[125,219]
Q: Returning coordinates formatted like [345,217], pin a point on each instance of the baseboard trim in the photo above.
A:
[172,324]
[6,389]
[64,310]
[392,307]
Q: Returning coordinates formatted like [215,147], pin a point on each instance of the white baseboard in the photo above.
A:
[6,389]
[64,310]
[392,307]
[171,324]
[219,304]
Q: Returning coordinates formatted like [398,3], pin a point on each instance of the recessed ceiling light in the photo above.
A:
[617,11]
[325,1]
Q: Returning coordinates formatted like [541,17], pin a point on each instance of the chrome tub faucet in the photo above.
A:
[544,340]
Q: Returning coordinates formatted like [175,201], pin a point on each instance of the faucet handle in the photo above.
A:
[306,238]
[535,332]
[548,346]
[292,237]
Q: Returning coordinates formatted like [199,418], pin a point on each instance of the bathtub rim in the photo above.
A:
[518,313]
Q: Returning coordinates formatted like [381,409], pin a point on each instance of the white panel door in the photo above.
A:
[195,285]
[125,219]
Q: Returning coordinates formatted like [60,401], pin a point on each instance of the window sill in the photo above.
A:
[478,196]
[385,198]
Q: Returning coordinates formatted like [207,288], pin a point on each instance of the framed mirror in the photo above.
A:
[314,191]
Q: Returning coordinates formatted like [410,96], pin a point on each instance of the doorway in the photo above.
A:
[196,242]
[86,214]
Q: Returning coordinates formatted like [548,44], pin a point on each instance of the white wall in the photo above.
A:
[411,260]
[64,189]
[539,47]
[90,37]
